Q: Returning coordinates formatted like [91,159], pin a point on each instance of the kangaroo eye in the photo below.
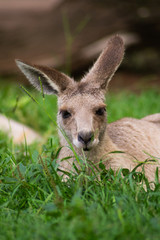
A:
[100,111]
[65,114]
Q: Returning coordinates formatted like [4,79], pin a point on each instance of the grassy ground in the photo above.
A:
[36,204]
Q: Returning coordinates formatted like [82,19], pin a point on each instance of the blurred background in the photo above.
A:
[69,35]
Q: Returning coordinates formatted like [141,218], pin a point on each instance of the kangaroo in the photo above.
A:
[18,132]
[82,115]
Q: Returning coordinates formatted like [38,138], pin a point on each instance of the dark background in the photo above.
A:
[69,34]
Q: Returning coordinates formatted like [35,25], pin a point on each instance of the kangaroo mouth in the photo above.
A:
[86,149]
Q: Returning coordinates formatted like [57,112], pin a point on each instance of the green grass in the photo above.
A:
[36,204]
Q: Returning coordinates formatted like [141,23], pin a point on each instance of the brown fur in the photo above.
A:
[83,119]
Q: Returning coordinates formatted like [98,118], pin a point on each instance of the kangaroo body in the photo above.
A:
[17,131]
[83,120]
[121,136]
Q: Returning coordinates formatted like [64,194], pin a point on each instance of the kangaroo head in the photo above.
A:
[82,109]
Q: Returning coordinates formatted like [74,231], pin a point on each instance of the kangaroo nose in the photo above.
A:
[85,137]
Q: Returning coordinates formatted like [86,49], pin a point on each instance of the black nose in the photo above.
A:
[85,137]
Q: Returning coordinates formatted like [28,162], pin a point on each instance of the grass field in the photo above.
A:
[36,204]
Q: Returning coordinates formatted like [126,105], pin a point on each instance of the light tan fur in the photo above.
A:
[83,120]
[18,132]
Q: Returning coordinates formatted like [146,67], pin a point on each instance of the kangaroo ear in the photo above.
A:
[107,63]
[52,81]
